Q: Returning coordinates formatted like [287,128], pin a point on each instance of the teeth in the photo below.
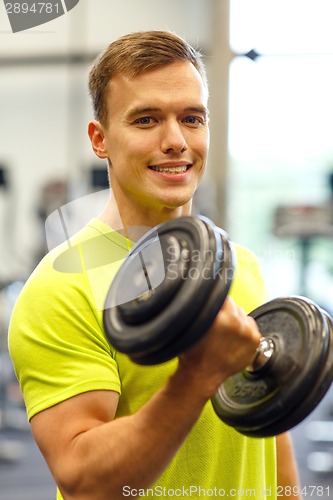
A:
[171,170]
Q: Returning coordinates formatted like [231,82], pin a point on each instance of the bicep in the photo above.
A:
[56,429]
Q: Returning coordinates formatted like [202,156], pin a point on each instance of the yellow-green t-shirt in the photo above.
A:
[59,350]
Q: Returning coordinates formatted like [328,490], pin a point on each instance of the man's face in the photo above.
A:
[157,138]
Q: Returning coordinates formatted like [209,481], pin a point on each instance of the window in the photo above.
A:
[281,135]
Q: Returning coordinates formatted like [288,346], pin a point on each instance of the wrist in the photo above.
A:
[190,383]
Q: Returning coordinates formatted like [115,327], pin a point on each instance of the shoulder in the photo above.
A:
[67,287]
[77,267]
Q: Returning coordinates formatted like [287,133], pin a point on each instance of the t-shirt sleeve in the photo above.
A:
[56,340]
[248,287]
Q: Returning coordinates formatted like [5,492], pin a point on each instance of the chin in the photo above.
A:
[178,201]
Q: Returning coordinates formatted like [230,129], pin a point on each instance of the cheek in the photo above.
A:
[125,149]
[207,139]
[138,145]
[202,146]
[199,141]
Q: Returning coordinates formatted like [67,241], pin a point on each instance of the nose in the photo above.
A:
[173,140]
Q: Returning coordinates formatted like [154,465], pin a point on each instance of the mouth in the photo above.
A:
[179,169]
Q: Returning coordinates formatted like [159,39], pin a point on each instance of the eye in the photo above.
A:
[194,120]
[145,121]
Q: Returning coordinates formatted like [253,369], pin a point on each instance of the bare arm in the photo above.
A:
[93,456]
[287,474]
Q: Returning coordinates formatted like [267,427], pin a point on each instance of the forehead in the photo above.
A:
[176,84]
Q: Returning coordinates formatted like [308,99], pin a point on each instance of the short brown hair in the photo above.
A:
[133,54]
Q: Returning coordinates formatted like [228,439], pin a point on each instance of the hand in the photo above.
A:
[227,348]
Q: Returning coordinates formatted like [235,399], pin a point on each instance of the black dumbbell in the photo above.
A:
[168,292]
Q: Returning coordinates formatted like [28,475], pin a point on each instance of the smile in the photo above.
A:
[171,170]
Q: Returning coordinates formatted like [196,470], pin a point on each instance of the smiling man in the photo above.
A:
[156,130]
[107,427]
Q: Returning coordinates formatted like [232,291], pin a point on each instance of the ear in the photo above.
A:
[96,135]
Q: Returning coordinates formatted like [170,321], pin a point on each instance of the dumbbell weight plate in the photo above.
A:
[282,393]
[168,291]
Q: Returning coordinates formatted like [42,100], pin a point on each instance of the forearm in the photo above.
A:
[132,450]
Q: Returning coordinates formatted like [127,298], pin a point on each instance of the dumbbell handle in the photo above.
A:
[262,356]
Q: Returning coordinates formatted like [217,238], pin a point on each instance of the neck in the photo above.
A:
[134,223]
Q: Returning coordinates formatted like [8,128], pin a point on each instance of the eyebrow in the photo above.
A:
[139,110]
[197,109]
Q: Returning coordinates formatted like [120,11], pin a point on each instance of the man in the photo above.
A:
[107,427]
